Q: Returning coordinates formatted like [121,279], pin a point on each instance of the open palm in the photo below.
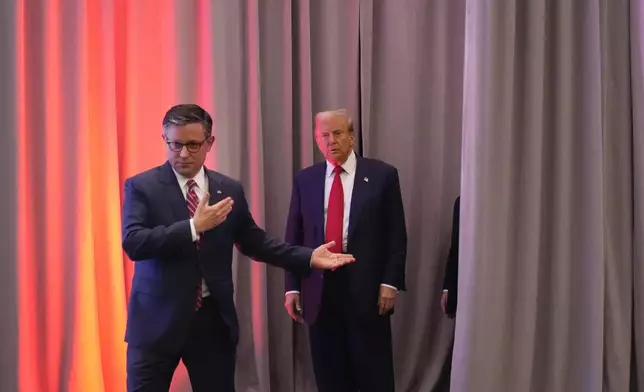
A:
[323,258]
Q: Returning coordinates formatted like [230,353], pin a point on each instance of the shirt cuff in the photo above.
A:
[291,292]
[195,236]
[390,286]
[445,290]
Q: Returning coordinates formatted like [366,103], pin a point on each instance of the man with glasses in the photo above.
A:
[180,221]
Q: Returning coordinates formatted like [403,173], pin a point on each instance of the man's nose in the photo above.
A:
[184,152]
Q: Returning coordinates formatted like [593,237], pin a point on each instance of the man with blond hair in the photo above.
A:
[357,203]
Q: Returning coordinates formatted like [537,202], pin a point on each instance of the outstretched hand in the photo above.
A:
[323,258]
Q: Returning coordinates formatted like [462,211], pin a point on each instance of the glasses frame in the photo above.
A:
[186,145]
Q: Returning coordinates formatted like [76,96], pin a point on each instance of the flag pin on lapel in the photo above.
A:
[366,179]
[219,192]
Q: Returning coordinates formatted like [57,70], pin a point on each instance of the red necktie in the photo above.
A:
[335,212]
[193,201]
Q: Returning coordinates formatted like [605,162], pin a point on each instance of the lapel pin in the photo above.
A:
[219,192]
[366,179]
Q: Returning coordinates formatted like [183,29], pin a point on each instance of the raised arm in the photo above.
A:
[255,243]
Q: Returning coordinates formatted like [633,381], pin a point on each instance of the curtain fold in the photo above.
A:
[547,199]
[637,93]
[411,73]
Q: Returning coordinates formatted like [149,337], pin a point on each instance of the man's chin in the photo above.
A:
[185,169]
[334,157]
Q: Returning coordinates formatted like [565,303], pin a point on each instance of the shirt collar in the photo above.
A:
[349,165]
[200,179]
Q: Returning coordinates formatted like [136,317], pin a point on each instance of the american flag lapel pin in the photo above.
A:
[218,192]
[366,179]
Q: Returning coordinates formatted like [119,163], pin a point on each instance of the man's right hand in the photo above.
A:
[292,305]
[210,216]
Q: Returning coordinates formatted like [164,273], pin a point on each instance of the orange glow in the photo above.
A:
[89,115]
[99,351]
[72,313]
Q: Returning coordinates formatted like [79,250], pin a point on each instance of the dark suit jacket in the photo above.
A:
[377,235]
[168,268]
[450,281]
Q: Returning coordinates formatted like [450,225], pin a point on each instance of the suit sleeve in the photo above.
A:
[395,221]
[293,235]
[142,242]
[255,243]
[451,269]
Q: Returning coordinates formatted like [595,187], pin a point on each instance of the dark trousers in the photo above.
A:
[350,353]
[208,354]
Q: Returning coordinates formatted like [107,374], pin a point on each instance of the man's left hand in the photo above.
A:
[386,300]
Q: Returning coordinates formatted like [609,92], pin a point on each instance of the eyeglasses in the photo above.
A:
[178,146]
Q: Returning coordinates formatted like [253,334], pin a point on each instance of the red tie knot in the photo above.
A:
[191,184]
[338,169]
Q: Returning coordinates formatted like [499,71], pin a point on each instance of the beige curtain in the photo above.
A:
[84,87]
[546,283]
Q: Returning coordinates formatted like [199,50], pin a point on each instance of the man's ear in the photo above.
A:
[210,142]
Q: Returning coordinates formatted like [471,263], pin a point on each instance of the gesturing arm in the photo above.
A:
[142,242]
[255,243]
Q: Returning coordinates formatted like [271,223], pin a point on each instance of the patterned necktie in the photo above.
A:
[193,201]
[335,212]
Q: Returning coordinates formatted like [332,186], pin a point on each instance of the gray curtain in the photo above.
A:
[636,27]
[263,68]
[411,109]
[546,273]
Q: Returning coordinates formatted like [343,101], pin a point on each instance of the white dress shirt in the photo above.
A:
[348,178]
[202,184]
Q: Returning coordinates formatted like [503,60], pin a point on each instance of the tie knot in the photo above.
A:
[338,169]
[191,184]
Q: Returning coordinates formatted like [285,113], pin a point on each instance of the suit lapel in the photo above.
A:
[317,196]
[215,187]
[359,195]
[174,195]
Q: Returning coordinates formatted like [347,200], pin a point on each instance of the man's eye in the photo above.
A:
[193,145]
[176,145]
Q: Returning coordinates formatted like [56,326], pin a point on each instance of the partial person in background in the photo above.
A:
[449,298]
[180,221]
[355,202]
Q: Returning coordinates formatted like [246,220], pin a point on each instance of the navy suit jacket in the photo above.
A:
[168,266]
[377,235]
